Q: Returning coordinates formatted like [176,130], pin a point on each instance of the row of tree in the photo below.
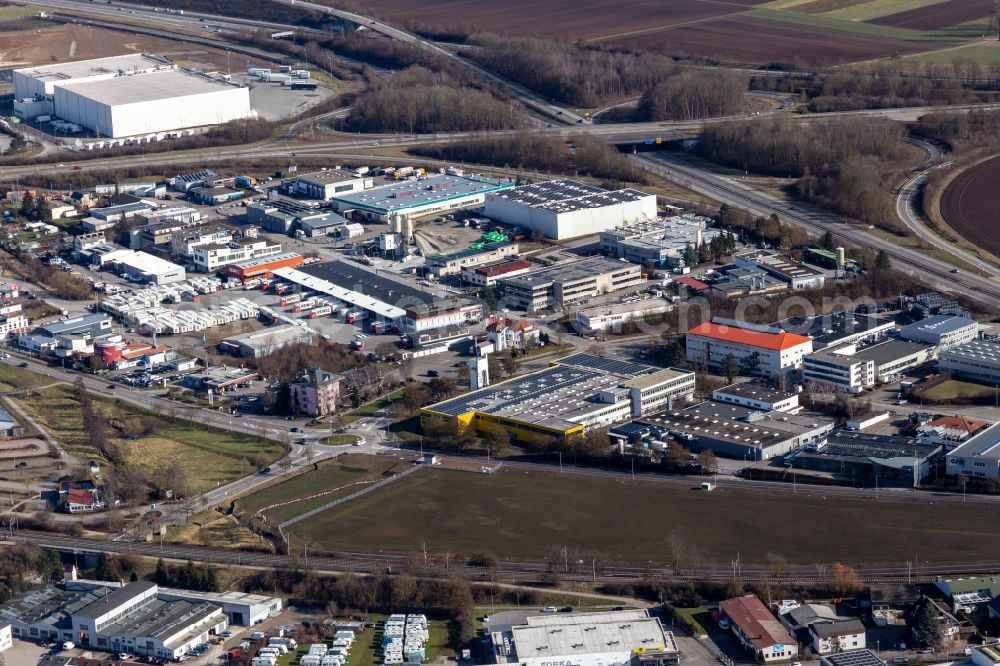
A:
[690,94]
[419,100]
[844,165]
[577,75]
[585,155]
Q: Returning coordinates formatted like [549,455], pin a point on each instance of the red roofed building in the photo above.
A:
[487,276]
[512,334]
[758,350]
[691,283]
[951,430]
[758,630]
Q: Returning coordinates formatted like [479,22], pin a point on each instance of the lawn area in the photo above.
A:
[207,455]
[698,619]
[956,388]
[333,478]
[528,514]
[371,407]
[365,645]
[340,440]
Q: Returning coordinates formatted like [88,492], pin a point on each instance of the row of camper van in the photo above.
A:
[276,647]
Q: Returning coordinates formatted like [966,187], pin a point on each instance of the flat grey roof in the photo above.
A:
[829,328]
[585,268]
[558,397]
[754,391]
[850,444]
[885,352]
[937,325]
[984,445]
[601,634]
[66,71]
[414,193]
[149,87]
[116,598]
[326,177]
[743,426]
[976,350]
[565,195]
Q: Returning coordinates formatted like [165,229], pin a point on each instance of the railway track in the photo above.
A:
[517,571]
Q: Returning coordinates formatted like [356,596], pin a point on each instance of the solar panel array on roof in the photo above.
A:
[564,195]
[856,658]
[608,365]
[517,391]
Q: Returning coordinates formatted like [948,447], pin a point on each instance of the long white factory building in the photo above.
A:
[567,208]
[128,96]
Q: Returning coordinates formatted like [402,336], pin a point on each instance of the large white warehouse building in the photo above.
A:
[568,208]
[41,81]
[128,96]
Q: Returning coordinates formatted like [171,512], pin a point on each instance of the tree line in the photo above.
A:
[419,100]
[844,164]
[232,133]
[588,156]
[690,94]
[583,76]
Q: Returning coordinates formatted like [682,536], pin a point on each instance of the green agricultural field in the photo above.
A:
[955,33]
[985,53]
[514,513]
[208,456]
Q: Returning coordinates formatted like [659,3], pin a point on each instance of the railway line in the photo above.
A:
[518,571]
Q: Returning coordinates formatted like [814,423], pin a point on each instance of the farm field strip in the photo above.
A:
[970,202]
[940,15]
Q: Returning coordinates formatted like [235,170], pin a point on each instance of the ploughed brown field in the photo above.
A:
[971,202]
[588,20]
[941,15]
[747,39]
[701,28]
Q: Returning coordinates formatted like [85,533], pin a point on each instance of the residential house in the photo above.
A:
[952,628]
[79,497]
[512,334]
[758,630]
[837,636]
[315,392]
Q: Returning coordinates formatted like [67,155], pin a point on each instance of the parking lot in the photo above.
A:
[273,101]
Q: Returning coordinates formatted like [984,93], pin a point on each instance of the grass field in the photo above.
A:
[984,54]
[956,388]
[371,407]
[208,456]
[333,478]
[513,513]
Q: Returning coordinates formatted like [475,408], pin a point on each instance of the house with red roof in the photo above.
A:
[758,630]
[512,334]
[79,497]
[759,350]
[950,431]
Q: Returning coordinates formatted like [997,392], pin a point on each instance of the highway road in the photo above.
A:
[907,213]
[934,272]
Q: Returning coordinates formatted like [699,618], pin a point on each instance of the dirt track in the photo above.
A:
[62,43]
[971,202]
